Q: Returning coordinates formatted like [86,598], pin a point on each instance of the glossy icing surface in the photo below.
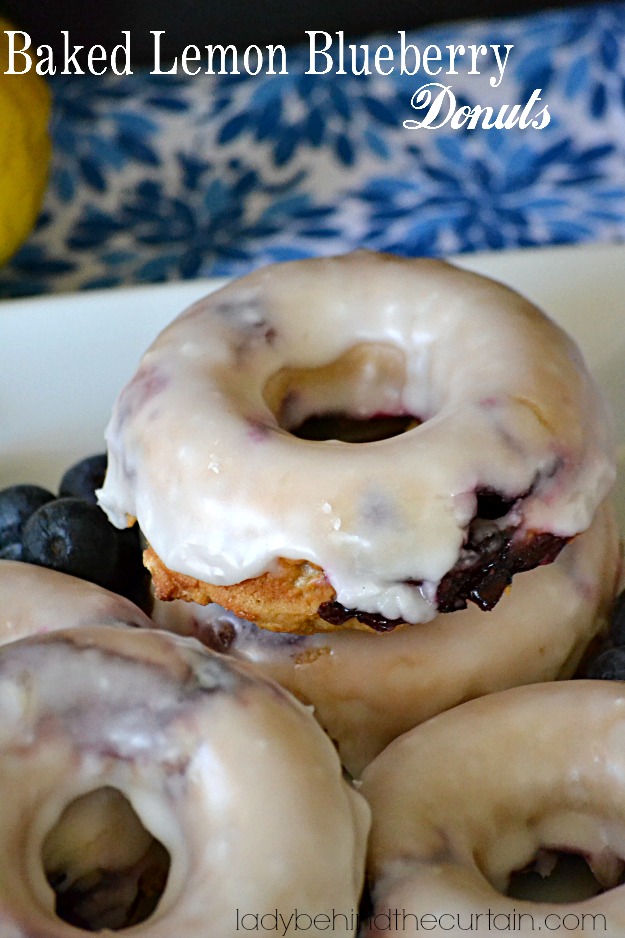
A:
[35,600]
[465,800]
[200,448]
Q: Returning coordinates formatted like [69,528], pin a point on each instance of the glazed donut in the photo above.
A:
[476,794]
[512,454]
[35,600]
[368,688]
[236,794]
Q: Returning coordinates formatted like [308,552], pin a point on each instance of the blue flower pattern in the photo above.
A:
[165,177]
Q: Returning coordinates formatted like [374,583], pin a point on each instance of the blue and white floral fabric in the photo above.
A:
[162,177]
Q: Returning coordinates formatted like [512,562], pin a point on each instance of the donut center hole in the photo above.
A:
[106,869]
[338,426]
[357,398]
[557,876]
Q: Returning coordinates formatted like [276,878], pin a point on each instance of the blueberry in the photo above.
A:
[132,579]
[13,551]
[609,665]
[82,479]
[617,620]
[17,504]
[75,537]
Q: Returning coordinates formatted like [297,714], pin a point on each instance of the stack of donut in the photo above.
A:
[409,582]
[387,580]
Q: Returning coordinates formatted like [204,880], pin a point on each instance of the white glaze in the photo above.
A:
[35,600]
[469,797]
[220,489]
[368,688]
[231,774]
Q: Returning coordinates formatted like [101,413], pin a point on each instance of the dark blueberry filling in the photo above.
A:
[337,614]
[481,576]
[493,554]
[492,504]
[486,567]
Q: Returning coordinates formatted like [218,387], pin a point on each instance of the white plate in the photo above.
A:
[64,358]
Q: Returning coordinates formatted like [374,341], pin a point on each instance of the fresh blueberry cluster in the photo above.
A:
[609,663]
[69,532]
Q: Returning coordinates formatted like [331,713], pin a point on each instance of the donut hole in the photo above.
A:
[557,876]
[106,869]
[339,426]
[357,398]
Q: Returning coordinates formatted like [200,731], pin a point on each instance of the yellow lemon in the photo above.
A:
[24,150]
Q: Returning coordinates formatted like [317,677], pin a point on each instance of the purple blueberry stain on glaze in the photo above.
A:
[257,429]
[113,703]
[377,509]
[246,314]
[489,403]
[242,310]
[149,382]
[261,333]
